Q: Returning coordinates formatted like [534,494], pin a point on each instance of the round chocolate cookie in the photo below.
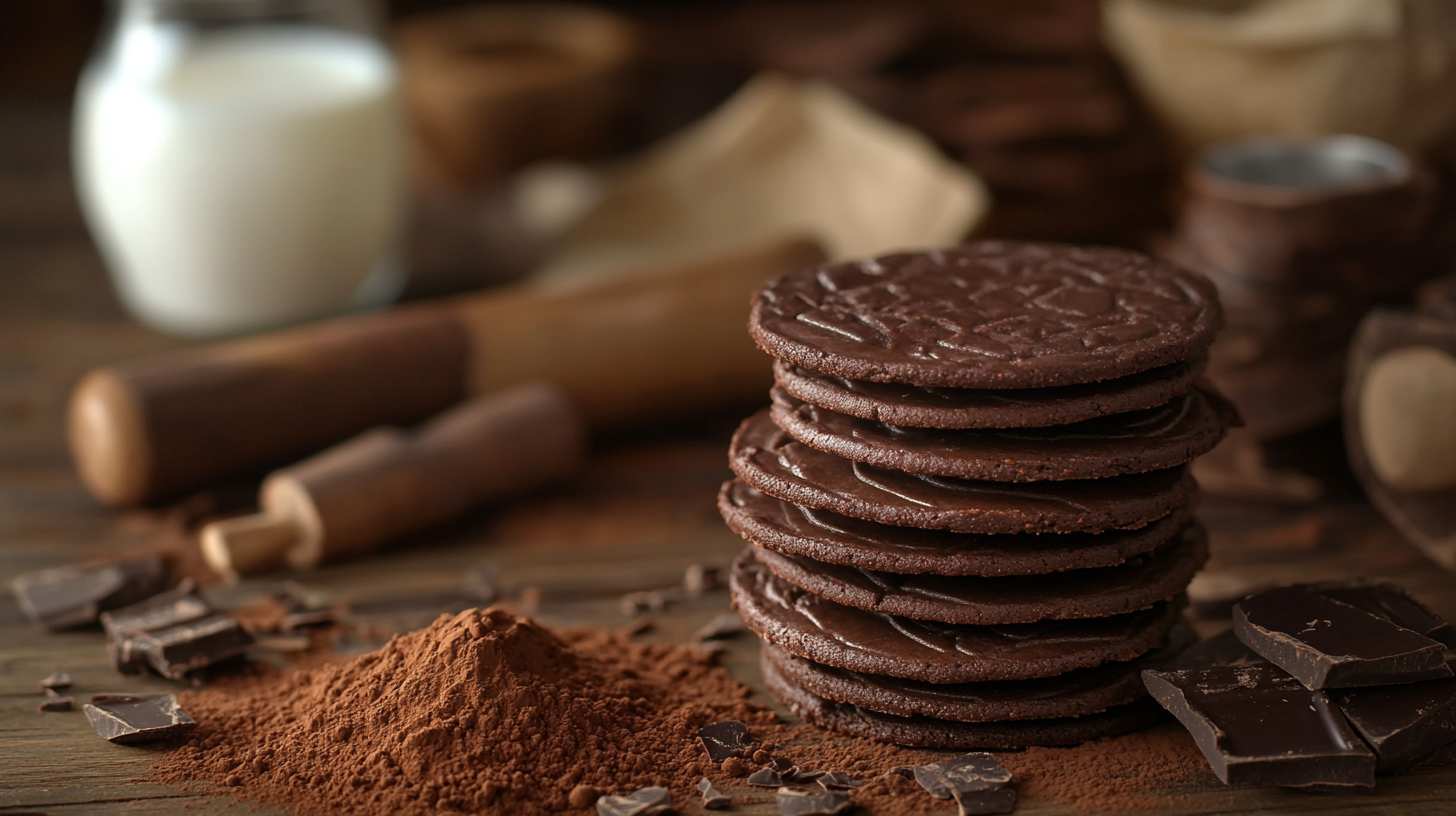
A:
[1139,583]
[1074,694]
[915,406]
[927,732]
[1158,438]
[812,627]
[772,461]
[991,314]
[831,538]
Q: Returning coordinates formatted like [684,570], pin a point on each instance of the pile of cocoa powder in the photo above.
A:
[486,712]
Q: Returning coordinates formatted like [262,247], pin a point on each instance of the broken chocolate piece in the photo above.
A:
[1328,644]
[976,803]
[653,601]
[67,597]
[725,739]
[177,605]
[293,621]
[1391,602]
[177,650]
[127,720]
[808,803]
[645,802]
[1404,723]
[767,777]
[724,626]
[56,680]
[1257,726]
[1223,649]
[712,799]
[56,702]
[963,774]
[836,782]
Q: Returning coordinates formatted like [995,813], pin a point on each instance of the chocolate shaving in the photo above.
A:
[837,782]
[722,740]
[712,799]
[766,777]
[645,802]
[808,803]
[127,720]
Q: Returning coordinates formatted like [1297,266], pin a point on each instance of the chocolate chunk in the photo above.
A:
[56,680]
[974,803]
[1403,723]
[1223,649]
[839,782]
[1257,726]
[725,739]
[67,597]
[127,720]
[724,626]
[712,799]
[294,621]
[1328,644]
[56,702]
[769,777]
[962,774]
[177,605]
[177,650]
[1391,602]
[807,803]
[645,802]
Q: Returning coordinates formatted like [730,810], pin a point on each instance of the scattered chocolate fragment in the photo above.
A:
[126,720]
[1404,723]
[186,647]
[293,621]
[1223,649]
[1257,726]
[724,626]
[1328,644]
[722,740]
[836,782]
[56,702]
[56,680]
[67,597]
[645,802]
[806,776]
[712,799]
[768,777]
[177,605]
[653,601]
[963,774]
[975,803]
[1391,602]
[808,803]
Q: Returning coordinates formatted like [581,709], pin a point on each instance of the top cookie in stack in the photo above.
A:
[974,475]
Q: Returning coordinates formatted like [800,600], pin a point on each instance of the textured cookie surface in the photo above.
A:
[916,406]
[1076,693]
[928,732]
[1157,438]
[991,314]
[772,461]
[1137,584]
[831,538]
[812,627]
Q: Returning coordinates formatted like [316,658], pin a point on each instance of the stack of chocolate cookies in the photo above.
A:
[969,508]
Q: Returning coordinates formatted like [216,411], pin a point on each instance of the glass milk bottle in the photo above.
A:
[240,162]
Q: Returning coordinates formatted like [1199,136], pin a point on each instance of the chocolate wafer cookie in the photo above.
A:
[915,406]
[810,626]
[772,461]
[1169,435]
[1137,584]
[991,314]
[928,732]
[831,538]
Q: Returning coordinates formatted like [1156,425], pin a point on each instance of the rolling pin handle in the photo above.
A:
[248,544]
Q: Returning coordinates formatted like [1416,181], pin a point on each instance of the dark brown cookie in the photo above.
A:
[1076,693]
[1169,435]
[1137,584]
[927,732]
[992,314]
[915,406]
[831,538]
[809,626]
[774,462]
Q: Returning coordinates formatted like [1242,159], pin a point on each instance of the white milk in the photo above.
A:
[244,179]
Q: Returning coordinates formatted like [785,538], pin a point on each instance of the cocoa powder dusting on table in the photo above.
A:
[1115,775]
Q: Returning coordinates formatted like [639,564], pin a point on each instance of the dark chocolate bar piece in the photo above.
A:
[128,720]
[1257,726]
[56,680]
[177,605]
[712,798]
[977,803]
[196,644]
[1391,602]
[56,702]
[645,802]
[1404,723]
[1328,644]
[725,739]
[67,597]
[810,803]
[963,774]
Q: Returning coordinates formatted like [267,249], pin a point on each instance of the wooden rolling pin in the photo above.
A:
[624,351]
[388,482]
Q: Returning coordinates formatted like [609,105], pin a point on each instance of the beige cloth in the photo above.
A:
[1216,70]
[782,158]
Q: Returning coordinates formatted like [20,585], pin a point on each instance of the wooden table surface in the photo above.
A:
[642,513]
